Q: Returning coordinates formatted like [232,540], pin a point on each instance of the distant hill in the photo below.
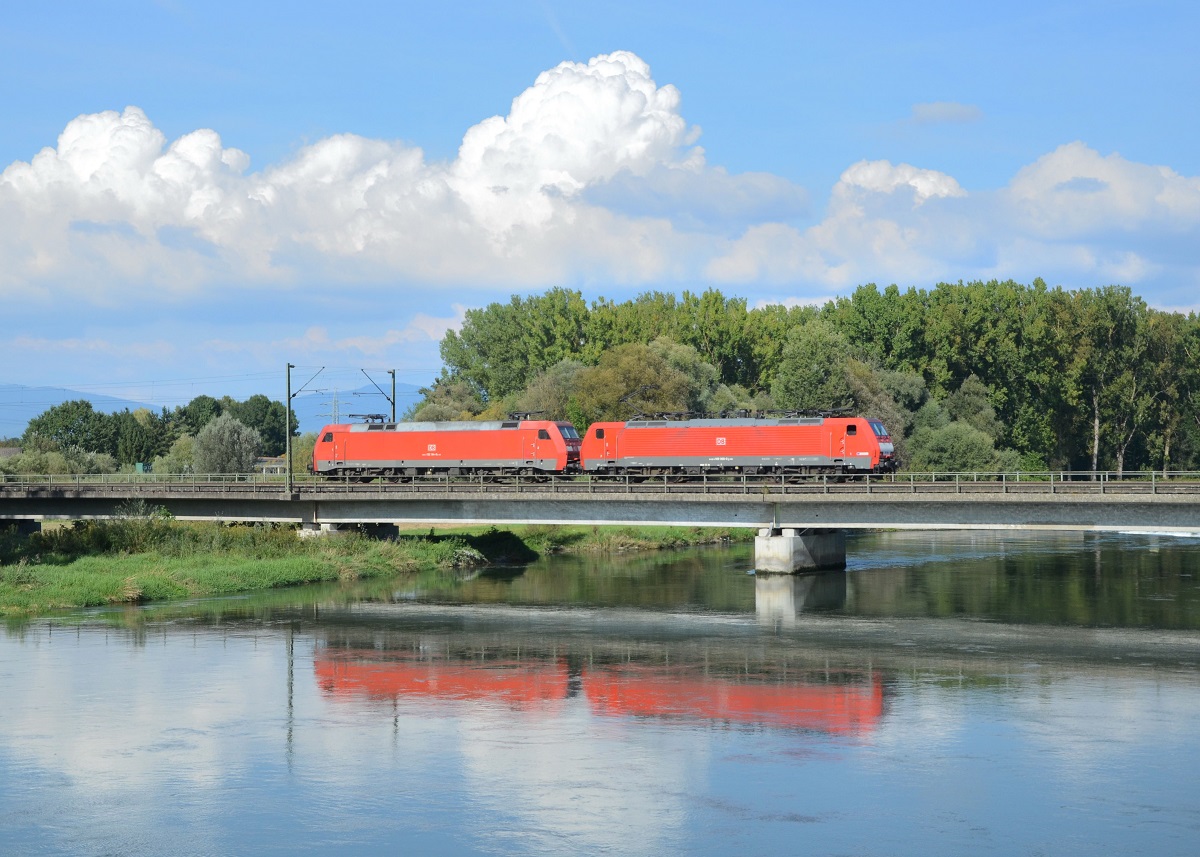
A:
[19,404]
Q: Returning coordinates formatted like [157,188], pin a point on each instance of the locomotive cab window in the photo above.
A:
[851,430]
[543,434]
[599,433]
[328,437]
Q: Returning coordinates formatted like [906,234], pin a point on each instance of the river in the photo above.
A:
[951,693]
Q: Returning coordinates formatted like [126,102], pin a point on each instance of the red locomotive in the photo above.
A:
[789,445]
[395,450]
[643,446]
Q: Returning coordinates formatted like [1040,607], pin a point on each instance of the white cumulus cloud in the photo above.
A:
[115,198]
[593,176]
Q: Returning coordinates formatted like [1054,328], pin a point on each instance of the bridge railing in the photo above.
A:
[1048,482]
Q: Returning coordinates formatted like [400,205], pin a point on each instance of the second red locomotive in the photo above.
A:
[796,445]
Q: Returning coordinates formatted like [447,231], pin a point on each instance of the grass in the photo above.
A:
[145,557]
[555,538]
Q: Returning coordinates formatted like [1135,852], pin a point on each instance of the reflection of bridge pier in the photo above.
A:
[779,599]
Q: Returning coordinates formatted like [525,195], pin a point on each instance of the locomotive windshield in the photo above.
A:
[877,427]
[568,431]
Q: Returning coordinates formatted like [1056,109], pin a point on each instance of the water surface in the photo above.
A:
[949,694]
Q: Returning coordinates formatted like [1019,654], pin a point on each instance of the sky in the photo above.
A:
[193,195]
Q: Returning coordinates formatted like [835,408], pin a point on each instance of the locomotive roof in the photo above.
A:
[446,425]
[733,421]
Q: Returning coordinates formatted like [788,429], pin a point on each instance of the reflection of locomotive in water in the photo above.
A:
[786,445]
[689,688]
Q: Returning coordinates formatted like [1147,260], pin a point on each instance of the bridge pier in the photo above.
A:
[311,530]
[25,526]
[788,550]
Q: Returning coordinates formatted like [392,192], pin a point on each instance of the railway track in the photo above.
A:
[149,487]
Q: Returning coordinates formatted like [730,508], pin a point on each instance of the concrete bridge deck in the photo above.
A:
[962,501]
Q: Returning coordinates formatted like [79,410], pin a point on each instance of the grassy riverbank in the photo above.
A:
[147,558]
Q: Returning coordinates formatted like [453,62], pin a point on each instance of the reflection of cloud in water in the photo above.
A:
[1091,723]
[529,746]
[108,712]
[584,789]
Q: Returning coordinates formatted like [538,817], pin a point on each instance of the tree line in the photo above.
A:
[968,376]
[207,435]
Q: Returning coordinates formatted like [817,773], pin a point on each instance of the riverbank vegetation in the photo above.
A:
[145,557]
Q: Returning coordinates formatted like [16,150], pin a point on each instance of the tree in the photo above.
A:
[266,417]
[74,424]
[767,331]
[198,413]
[702,377]
[549,394]
[970,404]
[1106,367]
[812,371]
[225,445]
[180,458]
[629,379]
[448,398]
[502,346]
[302,452]
[955,447]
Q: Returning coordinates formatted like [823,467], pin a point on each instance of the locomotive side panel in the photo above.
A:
[840,444]
[365,449]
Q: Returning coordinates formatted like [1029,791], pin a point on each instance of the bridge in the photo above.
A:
[816,509]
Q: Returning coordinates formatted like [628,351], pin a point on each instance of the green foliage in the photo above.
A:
[198,413]
[501,347]
[970,404]
[550,392]
[813,369]
[302,452]
[702,377]
[179,459]
[49,459]
[73,424]
[225,445]
[629,379]
[954,447]
[264,416]
[448,399]
[75,438]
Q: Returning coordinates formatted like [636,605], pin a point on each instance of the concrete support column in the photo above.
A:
[787,551]
[309,530]
[25,526]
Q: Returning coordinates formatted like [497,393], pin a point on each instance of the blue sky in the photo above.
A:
[232,186]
